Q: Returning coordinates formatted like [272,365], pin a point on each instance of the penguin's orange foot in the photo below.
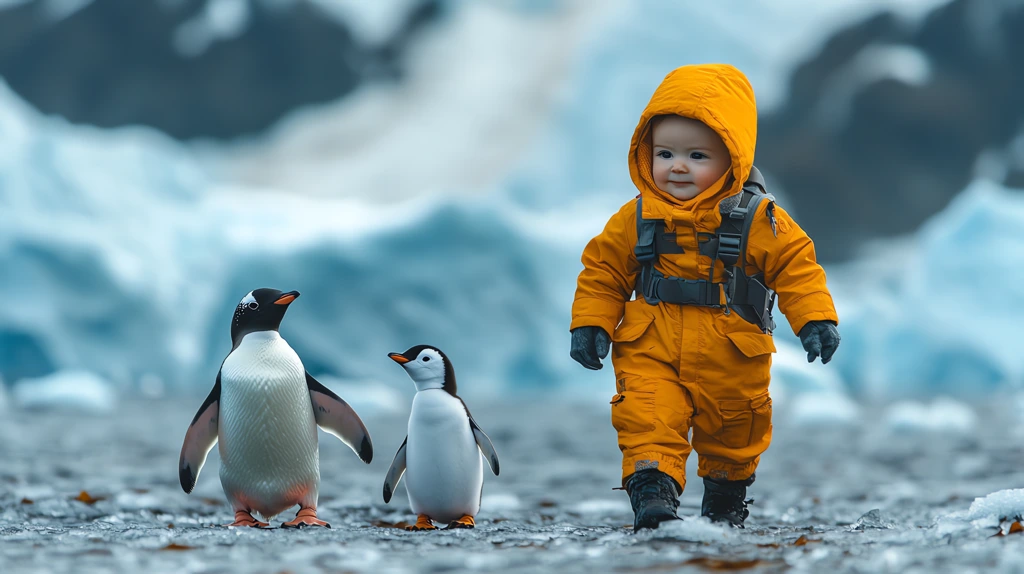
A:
[305,517]
[243,518]
[423,522]
[464,522]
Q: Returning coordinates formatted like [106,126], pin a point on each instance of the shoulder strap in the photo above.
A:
[645,230]
[738,216]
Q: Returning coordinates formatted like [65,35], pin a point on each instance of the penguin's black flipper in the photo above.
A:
[336,417]
[395,473]
[482,441]
[200,438]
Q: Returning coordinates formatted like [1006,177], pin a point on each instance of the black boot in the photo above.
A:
[724,500]
[654,496]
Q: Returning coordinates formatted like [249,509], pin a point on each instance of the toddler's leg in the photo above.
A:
[652,417]
[729,436]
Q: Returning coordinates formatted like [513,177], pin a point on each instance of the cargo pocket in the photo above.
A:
[633,406]
[634,322]
[752,344]
[745,421]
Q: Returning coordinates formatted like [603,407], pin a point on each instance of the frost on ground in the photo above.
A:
[862,496]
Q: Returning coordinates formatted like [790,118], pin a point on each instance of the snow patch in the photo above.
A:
[1007,504]
[690,529]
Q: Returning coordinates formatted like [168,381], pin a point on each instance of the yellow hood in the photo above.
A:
[718,95]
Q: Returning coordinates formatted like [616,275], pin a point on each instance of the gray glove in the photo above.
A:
[589,346]
[819,338]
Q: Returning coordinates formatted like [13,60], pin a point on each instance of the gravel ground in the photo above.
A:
[850,499]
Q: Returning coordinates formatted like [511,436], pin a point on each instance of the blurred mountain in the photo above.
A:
[192,68]
[879,129]
[889,121]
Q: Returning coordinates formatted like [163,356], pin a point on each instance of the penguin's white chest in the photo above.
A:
[267,434]
[444,470]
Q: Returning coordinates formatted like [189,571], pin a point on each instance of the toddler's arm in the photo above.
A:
[790,268]
[609,273]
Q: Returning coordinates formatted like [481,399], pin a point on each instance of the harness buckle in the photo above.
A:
[729,248]
[645,253]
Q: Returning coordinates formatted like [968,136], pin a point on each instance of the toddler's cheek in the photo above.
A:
[659,171]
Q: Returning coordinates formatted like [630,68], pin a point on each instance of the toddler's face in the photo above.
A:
[688,156]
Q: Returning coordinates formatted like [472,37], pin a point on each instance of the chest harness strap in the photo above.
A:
[747,295]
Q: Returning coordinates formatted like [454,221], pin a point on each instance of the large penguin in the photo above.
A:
[441,454]
[264,410]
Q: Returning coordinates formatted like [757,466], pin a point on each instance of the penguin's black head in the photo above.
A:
[260,310]
[428,367]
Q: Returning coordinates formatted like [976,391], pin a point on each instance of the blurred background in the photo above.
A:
[429,171]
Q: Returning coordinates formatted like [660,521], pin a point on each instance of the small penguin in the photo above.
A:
[441,453]
[264,410]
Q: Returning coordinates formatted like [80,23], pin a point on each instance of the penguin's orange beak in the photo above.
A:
[286,298]
[398,358]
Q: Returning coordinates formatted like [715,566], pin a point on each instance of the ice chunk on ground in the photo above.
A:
[71,390]
[872,519]
[998,505]
[942,415]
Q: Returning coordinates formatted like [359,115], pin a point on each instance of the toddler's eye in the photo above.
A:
[665,154]
[698,155]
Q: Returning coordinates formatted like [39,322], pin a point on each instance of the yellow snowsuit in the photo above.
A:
[679,367]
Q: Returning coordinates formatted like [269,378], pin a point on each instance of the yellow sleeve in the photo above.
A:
[790,268]
[609,273]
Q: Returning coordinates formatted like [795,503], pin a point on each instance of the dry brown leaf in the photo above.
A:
[1016,527]
[175,546]
[88,499]
[27,501]
[804,540]
[719,564]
